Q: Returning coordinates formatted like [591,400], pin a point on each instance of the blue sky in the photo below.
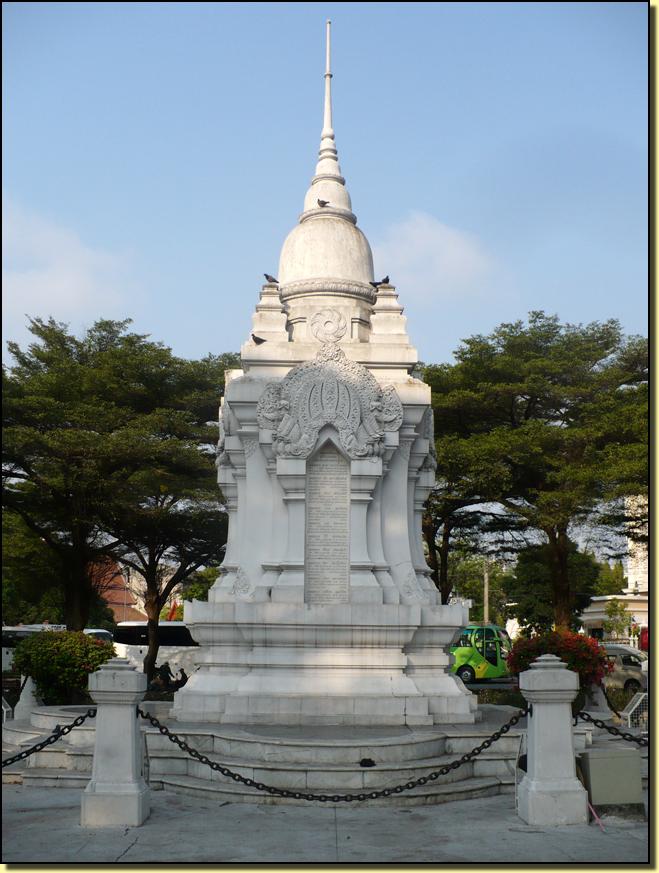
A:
[157,155]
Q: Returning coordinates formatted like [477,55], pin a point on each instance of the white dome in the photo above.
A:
[326,247]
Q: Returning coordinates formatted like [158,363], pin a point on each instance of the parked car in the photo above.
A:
[629,668]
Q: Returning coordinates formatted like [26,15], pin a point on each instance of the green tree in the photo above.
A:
[529,587]
[199,583]
[618,620]
[31,576]
[611,579]
[551,423]
[108,450]
[33,580]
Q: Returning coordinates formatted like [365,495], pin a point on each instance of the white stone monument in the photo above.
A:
[325,612]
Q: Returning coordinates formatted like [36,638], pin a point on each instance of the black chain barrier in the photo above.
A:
[59,732]
[631,738]
[334,798]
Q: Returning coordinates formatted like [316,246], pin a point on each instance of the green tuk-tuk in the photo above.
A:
[481,652]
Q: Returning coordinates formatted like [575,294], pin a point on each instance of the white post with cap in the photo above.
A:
[117,795]
[550,793]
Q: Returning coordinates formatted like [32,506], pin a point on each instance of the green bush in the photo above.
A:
[619,698]
[60,663]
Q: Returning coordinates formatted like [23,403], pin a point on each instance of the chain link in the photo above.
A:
[334,798]
[585,716]
[56,735]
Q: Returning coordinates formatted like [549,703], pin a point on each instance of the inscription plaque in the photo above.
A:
[327,529]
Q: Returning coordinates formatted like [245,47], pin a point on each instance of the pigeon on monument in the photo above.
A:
[323,202]
[258,339]
[271,279]
[384,281]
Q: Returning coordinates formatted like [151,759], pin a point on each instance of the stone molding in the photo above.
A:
[305,287]
[324,211]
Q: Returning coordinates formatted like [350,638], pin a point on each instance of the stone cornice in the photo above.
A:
[342,287]
[324,211]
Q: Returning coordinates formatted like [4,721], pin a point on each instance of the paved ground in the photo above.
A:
[42,825]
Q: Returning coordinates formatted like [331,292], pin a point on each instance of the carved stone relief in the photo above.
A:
[427,430]
[328,326]
[225,426]
[410,587]
[250,445]
[333,390]
[242,587]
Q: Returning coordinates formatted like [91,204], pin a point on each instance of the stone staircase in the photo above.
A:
[324,761]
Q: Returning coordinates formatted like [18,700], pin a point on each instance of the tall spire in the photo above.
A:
[327,134]
[326,253]
[328,183]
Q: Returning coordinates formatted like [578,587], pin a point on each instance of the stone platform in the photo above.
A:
[323,759]
[320,760]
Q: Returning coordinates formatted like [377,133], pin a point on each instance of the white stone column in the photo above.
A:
[550,793]
[117,795]
[364,476]
[291,474]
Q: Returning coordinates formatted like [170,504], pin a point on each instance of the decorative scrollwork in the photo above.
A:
[242,587]
[392,409]
[410,587]
[328,326]
[427,430]
[250,445]
[332,390]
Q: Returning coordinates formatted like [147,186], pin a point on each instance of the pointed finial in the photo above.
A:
[328,185]
[327,119]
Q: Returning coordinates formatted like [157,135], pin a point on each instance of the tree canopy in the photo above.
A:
[109,451]
[549,422]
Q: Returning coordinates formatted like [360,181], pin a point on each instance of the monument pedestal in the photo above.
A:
[290,664]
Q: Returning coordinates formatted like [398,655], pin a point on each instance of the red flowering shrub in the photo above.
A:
[60,663]
[582,654]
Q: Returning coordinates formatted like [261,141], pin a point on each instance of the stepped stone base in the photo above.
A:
[301,665]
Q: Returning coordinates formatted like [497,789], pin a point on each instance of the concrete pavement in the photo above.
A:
[42,825]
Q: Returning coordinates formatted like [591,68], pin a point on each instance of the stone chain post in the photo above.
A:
[27,701]
[550,793]
[117,794]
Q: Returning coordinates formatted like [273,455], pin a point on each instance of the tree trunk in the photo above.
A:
[152,606]
[445,586]
[77,598]
[562,595]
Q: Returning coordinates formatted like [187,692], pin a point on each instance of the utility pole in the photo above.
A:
[486,591]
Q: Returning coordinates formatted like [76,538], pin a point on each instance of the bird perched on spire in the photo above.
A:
[258,339]
[384,281]
[271,279]
[323,202]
